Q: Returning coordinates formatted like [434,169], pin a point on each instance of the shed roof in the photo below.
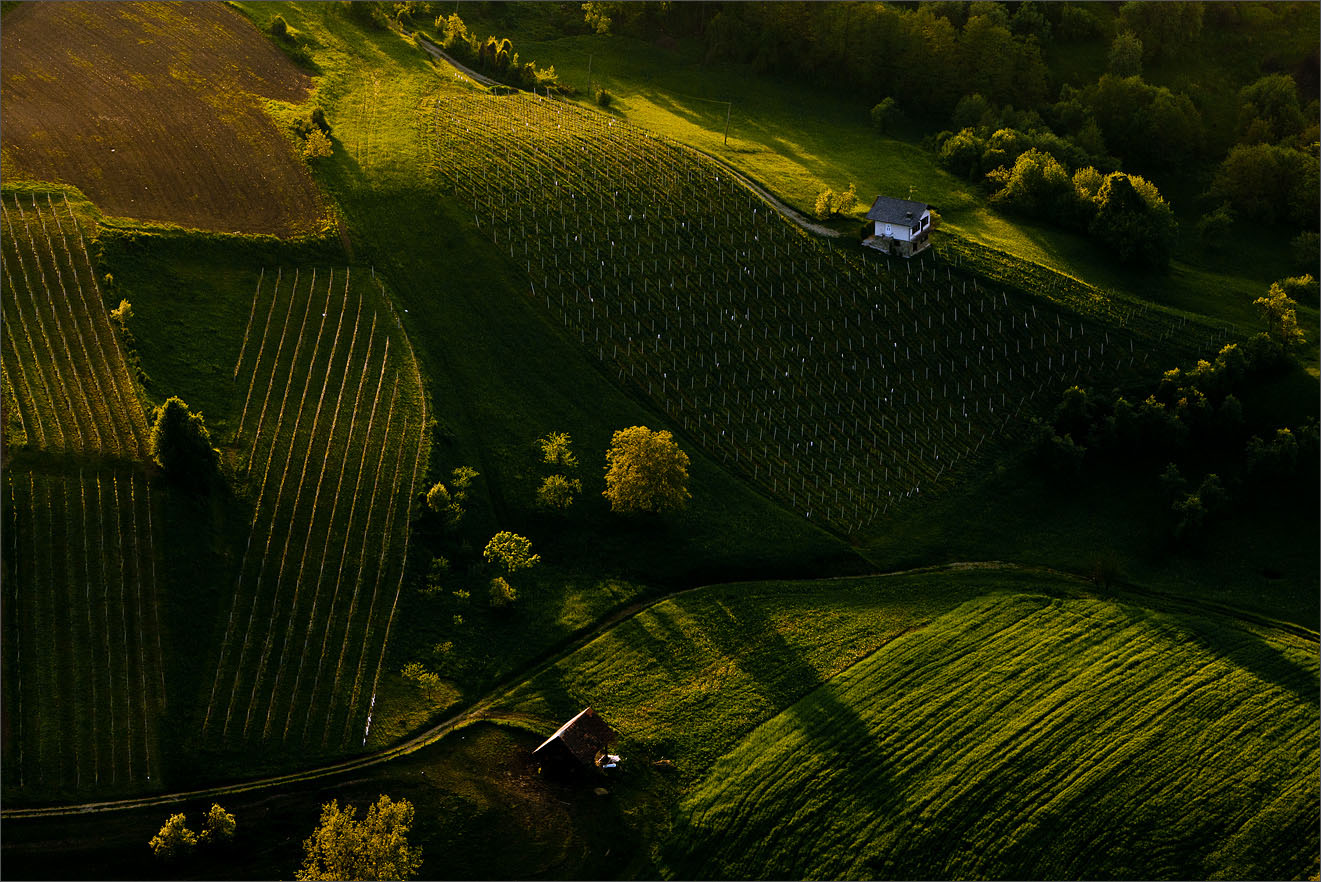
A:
[889,210]
[582,736]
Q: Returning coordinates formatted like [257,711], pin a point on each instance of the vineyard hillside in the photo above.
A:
[841,383]
[155,111]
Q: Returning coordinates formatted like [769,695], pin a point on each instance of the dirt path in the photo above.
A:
[481,709]
[436,52]
[766,195]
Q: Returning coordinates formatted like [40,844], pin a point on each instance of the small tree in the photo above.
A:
[503,594]
[342,847]
[885,115]
[180,443]
[510,552]
[220,825]
[316,144]
[557,492]
[174,839]
[122,313]
[645,471]
[427,681]
[1125,59]
[1281,315]
[825,201]
[556,450]
[846,201]
[279,28]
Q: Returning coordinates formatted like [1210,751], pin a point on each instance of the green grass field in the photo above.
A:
[953,723]
[1031,737]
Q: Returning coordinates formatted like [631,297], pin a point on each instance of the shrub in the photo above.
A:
[220,825]
[886,115]
[556,450]
[603,98]
[279,28]
[824,200]
[122,313]
[317,145]
[174,839]
[510,552]
[1213,228]
[1281,315]
[1125,59]
[502,593]
[557,492]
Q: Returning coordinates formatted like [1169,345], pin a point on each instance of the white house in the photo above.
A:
[900,226]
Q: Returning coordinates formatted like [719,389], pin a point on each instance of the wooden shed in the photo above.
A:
[577,743]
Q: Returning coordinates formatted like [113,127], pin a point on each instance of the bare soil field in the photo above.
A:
[154,111]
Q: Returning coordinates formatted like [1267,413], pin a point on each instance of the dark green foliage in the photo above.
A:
[1125,58]
[603,98]
[1149,126]
[1166,29]
[181,444]
[279,28]
[1214,227]
[886,115]
[1269,183]
[1269,111]
[494,55]
[365,13]
[1135,230]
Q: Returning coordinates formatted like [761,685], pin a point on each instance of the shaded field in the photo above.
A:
[63,364]
[1031,737]
[83,666]
[331,440]
[154,110]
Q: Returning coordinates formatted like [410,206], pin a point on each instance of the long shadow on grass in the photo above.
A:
[1248,650]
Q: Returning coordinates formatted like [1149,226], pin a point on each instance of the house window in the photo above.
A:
[926,221]
[887,230]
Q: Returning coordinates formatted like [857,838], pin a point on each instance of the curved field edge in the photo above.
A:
[1030,736]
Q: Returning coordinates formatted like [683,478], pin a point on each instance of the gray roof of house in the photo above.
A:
[889,210]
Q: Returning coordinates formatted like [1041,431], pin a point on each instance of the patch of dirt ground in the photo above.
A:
[154,111]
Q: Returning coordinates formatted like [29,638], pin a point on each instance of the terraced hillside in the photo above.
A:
[842,384]
[331,430]
[83,666]
[1030,737]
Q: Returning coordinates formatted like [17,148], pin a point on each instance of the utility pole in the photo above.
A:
[589,71]
[729,107]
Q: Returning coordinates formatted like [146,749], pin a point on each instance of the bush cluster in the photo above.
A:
[495,56]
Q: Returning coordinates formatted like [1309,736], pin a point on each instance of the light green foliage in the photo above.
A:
[646,471]
[1125,58]
[510,552]
[461,480]
[342,847]
[1114,716]
[434,581]
[428,681]
[597,16]
[556,450]
[174,839]
[317,145]
[122,313]
[1281,315]
[449,501]
[558,492]
[1036,185]
[502,593]
[220,825]
[825,201]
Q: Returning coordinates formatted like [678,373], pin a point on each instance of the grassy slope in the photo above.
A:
[797,139]
[1030,737]
[976,659]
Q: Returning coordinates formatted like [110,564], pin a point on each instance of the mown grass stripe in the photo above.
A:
[265,336]
[247,328]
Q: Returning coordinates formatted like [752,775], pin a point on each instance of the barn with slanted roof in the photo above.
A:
[900,226]
[578,743]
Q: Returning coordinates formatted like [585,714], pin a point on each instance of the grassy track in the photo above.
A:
[332,402]
[1031,737]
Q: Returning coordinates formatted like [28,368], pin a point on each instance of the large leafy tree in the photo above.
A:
[510,552]
[180,443]
[343,847]
[646,471]
[174,839]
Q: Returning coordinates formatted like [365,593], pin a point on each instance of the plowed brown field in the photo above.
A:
[154,111]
